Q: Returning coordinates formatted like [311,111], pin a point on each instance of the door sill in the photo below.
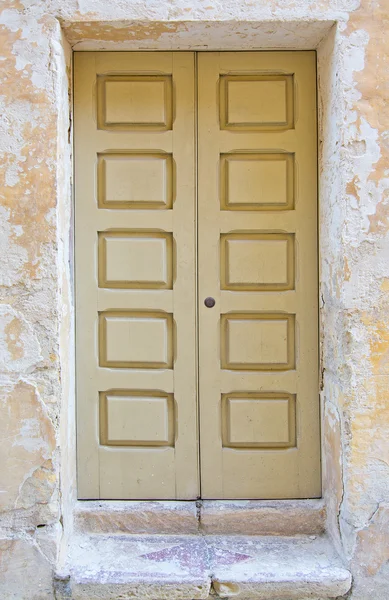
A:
[212,517]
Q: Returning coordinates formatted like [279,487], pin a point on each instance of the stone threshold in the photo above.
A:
[191,567]
[224,517]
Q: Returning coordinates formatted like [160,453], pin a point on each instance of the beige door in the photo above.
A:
[138,332]
[135,275]
[259,407]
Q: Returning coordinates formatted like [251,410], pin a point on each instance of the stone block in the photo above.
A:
[27,442]
[25,574]
[252,517]
[170,518]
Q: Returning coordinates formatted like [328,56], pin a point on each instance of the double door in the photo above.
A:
[196,275]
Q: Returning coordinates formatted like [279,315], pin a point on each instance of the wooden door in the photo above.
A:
[257,223]
[138,330]
[137,431]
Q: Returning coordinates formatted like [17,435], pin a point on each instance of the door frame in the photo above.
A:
[323,39]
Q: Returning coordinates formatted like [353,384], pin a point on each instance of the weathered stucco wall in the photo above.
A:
[36,328]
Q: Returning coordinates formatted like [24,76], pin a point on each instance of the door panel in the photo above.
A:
[257,211]
[135,275]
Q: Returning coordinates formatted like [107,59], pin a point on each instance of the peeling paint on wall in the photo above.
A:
[35,209]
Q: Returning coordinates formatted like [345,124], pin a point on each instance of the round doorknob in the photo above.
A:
[209,302]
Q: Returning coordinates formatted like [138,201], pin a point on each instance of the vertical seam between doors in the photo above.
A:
[196,225]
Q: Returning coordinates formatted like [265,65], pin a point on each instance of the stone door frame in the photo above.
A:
[277,517]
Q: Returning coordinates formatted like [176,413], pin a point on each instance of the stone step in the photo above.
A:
[211,517]
[140,567]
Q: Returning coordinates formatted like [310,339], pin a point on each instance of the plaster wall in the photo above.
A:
[37,453]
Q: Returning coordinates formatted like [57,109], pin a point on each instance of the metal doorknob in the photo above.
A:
[209,302]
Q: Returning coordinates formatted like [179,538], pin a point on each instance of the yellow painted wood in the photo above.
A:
[135,175]
[257,221]
[135,275]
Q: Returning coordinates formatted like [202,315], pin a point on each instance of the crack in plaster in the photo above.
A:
[31,239]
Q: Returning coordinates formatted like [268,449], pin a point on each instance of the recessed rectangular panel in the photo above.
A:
[135,260]
[134,102]
[134,180]
[257,261]
[258,420]
[132,339]
[256,102]
[136,418]
[257,181]
[257,341]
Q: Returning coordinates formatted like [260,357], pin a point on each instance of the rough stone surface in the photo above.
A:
[180,33]
[27,440]
[37,481]
[26,574]
[284,517]
[278,568]
[137,517]
[192,567]
[138,567]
